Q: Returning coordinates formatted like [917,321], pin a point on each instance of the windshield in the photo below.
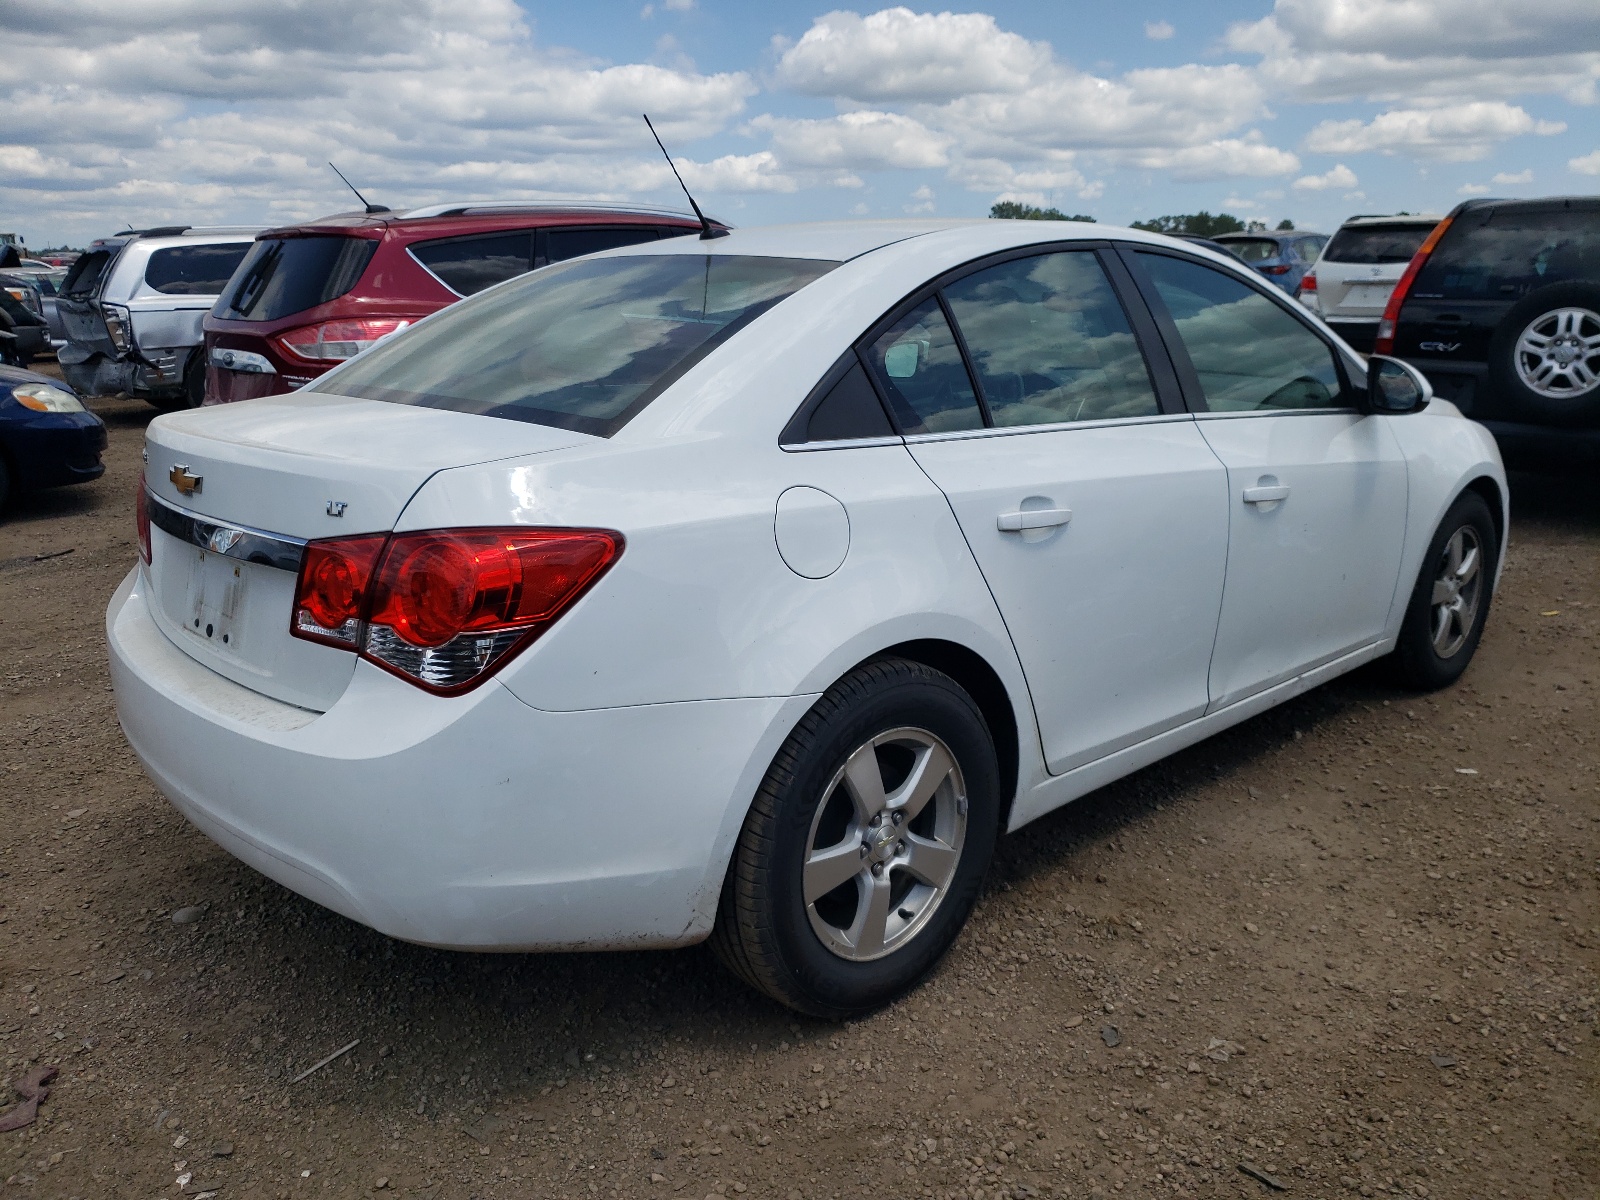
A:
[1253,250]
[583,345]
[1373,244]
[283,276]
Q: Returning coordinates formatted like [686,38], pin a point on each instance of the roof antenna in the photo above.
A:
[707,229]
[371,208]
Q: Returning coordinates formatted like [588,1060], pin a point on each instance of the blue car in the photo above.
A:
[47,437]
[1284,258]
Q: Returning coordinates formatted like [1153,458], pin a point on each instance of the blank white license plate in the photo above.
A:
[216,597]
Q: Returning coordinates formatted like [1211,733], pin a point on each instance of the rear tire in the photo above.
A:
[1526,352]
[1450,601]
[836,903]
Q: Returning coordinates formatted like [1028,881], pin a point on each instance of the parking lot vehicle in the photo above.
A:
[131,309]
[750,588]
[26,335]
[47,438]
[45,282]
[1283,258]
[1500,308]
[1353,277]
[311,296]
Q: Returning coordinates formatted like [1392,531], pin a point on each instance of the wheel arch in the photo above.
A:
[1495,498]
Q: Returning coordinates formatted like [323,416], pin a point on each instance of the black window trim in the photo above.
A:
[1188,378]
[1146,335]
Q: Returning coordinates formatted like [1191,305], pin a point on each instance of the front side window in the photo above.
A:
[1250,355]
[582,345]
[919,367]
[468,265]
[194,270]
[1049,341]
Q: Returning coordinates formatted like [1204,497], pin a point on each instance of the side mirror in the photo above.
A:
[1395,387]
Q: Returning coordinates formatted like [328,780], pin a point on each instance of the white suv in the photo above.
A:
[1358,268]
[131,309]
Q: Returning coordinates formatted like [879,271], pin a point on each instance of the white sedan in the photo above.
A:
[749,588]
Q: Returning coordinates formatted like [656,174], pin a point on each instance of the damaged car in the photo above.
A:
[132,306]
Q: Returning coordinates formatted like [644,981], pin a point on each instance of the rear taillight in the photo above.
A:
[141,520]
[1309,282]
[444,608]
[335,341]
[1280,269]
[1384,343]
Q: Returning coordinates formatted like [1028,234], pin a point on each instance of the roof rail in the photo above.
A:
[463,208]
[179,230]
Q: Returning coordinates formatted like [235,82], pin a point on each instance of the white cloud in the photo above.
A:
[1586,164]
[861,140]
[922,201]
[678,5]
[1340,176]
[1454,133]
[1158,31]
[1506,178]
[1473,189]
[1219,159]
[896,54]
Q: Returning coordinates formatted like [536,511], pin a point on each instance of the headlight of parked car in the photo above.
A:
[44,397]
[117,325]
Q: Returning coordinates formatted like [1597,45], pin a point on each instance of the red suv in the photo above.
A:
[307,297]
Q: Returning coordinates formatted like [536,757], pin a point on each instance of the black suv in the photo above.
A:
[1500,308]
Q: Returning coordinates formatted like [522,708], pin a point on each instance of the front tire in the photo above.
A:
[1450,602]
[862,854]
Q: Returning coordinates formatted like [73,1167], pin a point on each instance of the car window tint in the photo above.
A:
[849,410]
[1500,254]
[919,367]
[194,270]
[1249,353]
[565,243]
[282,276]
[468,265]
[1373,244]
[1049,341]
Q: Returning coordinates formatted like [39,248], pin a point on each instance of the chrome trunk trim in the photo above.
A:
[219,537]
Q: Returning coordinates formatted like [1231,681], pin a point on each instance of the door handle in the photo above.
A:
[1265,495]
[1033,518]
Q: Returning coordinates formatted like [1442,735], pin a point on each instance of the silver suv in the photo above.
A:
[1358,268]
[131,309]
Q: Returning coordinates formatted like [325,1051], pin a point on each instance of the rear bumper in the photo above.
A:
[160,376]
[1359,335]
[472,823]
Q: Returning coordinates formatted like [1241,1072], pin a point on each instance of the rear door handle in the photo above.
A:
[1265,495]
[1033,518]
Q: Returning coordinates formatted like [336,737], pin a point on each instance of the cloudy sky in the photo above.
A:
[144,112]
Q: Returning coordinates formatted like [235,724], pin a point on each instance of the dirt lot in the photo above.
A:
[1352,943]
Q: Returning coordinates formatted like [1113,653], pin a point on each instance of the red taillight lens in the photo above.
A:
[1309,282]
[141,520]
[335,341]
[1384,343]
[331,595]
[1280,269]
[444,608]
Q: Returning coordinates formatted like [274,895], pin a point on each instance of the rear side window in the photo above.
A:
[283,276]
[1373,244]
[84,275]
[919,366]
[1501,254]
[1249,353]
[194,270]
[468,265]
[1049,341]
[563,242]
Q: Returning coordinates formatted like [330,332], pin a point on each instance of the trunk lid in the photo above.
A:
[1352,291]
[266,476]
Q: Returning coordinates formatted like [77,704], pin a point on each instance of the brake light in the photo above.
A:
[141,520]
[1309,282]
[445,608]
[335,341]
[1280,269]
[1384,343]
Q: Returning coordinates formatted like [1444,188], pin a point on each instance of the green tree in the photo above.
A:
[1285,226]
[1200,224]
[1010,210]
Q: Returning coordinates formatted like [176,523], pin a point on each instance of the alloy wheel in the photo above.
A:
[1457,590]
[884,844]
[1558,353]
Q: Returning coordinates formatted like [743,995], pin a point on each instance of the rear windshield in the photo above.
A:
[1373,244]
[194,270]
[283,276]
[1253,250]
[84,275]
[1499,254]
[583,345]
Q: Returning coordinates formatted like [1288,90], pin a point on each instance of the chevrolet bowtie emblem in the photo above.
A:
[184,481]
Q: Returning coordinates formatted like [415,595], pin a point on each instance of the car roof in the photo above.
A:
[1394,219]
[1268,235]
[463,216]
[1544,204]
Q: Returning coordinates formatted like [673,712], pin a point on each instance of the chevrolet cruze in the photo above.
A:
[749,587]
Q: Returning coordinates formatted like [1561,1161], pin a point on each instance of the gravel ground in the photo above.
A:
[1350,945]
